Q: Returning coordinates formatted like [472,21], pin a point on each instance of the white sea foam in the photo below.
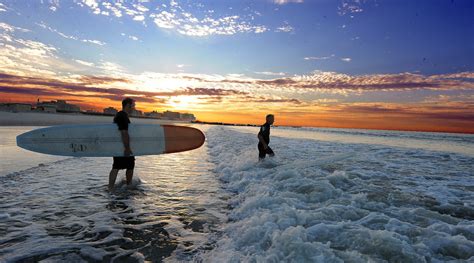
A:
[61,211]
[381,203]
[316,201]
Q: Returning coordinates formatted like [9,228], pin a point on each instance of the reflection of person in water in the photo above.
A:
[127,161]
[264,138]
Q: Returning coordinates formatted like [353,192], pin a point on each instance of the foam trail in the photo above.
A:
[330,205]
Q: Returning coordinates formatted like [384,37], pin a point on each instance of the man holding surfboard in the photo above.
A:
[264,138]
[127,161]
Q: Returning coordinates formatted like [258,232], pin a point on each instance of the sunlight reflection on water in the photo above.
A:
[57,208]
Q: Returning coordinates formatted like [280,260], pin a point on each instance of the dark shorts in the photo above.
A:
[124,162]
[262,152]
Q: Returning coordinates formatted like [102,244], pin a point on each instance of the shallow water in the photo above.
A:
[339,197]
[443,142]
[364,202]
[59,209]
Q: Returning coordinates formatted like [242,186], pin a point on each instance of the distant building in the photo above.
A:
[15,107]
[46,108]
[171,115]
[188,117]
[136,113]
[59,105]
[110,111]
[154,114]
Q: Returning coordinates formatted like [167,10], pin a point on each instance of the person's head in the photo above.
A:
[270,118]
[128,105]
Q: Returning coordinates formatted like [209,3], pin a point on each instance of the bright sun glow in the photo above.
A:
[183,102]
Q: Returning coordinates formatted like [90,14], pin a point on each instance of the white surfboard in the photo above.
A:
[104,140]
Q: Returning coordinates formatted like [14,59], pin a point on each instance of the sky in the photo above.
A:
[369,64]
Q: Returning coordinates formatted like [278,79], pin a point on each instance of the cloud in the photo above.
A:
[10,29]
[460,75]
[285,28]
[111,67]
[84,87]
[186,24]
[141,7]
[293,101]
[28,57]
[455,111]
[341,83]
[283,2]
[136,11]
[85,63]
[54,5]
[268,73]
[20,56]
[139,18]
[115,9]
[134,38]
[238,93]
[263,100]
[443,99]
[96,42]
[165,20]
[3,8]
[95,80]
[93,5]
[325,101]
[350,7]
[203,92]
[450,110]
[319,58]
[35,92]
[376,82]
[174,17]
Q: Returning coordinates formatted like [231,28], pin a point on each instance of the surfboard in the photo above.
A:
[104,140]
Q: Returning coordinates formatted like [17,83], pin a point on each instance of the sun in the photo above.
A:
[183,102]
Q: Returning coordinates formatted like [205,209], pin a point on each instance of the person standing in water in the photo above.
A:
[264,138]
[127,161]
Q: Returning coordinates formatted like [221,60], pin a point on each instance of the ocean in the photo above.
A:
[329,195]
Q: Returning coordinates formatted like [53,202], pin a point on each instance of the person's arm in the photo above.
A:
[262,141]
[126,142]
[122,123]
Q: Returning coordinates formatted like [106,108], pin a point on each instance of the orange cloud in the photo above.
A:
[343,83]
[244,103]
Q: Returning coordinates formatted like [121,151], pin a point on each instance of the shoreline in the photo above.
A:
[48,119]
[335,128]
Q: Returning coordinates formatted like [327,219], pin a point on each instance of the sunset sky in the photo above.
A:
[377,64]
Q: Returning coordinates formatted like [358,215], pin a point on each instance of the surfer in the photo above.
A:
[127,161]
[264,138]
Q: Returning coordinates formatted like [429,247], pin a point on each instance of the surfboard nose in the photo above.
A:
[20,139]
[24,140]
[179,138]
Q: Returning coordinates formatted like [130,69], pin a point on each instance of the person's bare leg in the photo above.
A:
[112,177]
[129,175]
